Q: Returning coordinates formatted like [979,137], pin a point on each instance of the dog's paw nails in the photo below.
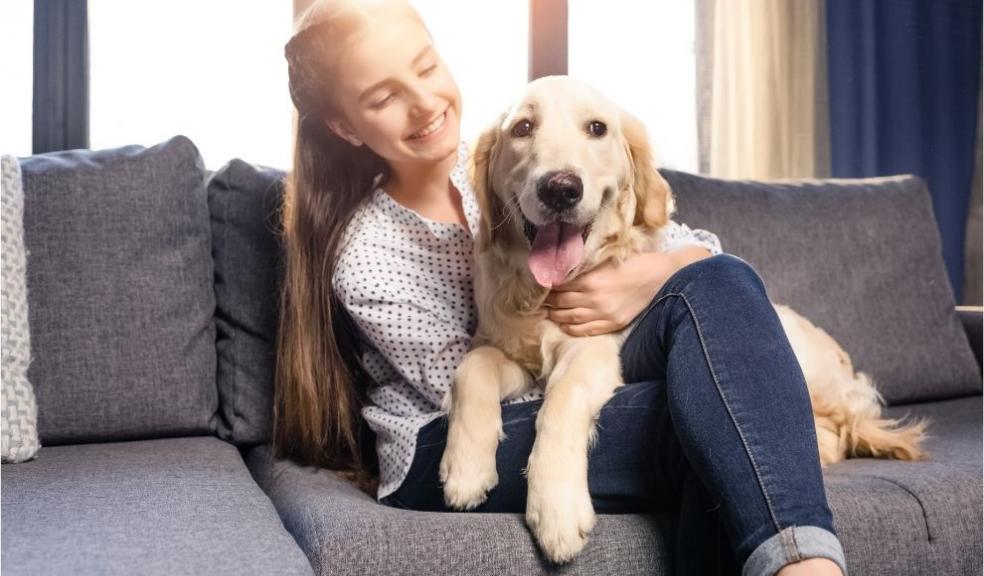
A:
[466,484]
[561,522]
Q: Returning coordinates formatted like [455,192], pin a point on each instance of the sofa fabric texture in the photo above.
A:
[120,290]
[345,531]
[155,507]
[244,206]
[893,518]
[18,406]
[861,259]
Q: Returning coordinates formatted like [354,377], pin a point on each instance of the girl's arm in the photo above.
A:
[609,297]
[421,346]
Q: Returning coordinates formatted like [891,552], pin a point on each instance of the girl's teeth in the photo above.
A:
[431,128]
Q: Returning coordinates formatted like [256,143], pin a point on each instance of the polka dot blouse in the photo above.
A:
[406,281]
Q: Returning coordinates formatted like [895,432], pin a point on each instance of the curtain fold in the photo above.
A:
[973,281]
[768,114]
[61,75]
[904,79]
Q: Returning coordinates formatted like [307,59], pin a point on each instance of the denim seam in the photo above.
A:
[717,384]
[788,539]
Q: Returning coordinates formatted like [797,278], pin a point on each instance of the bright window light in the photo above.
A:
[486,46]
[213,71]
[641,54]
[16,45]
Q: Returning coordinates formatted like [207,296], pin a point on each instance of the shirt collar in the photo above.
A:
[461,181]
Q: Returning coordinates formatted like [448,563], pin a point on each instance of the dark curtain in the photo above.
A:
[61,75]
[903,79]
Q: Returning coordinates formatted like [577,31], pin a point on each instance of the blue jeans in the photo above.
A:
[714,425]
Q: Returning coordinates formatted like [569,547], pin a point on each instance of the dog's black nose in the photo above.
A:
[559,190]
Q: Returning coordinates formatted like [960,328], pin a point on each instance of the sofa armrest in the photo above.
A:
[972,317]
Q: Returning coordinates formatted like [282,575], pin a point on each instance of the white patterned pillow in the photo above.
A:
[18,408]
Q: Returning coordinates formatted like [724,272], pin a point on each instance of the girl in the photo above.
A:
[378,222]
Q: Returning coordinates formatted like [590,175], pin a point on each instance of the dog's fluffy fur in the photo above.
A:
[626,202]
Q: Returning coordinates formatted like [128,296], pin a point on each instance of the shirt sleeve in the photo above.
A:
[422,347]
[676,234]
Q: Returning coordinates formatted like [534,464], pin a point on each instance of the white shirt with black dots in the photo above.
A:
[406,281]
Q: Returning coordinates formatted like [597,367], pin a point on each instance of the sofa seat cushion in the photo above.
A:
[894,518]
[916,517]
[345,531]
[169,506]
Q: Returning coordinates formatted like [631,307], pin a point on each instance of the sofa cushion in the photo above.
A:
[18,405]
[119,284]
[168,506]
[244,204]
[893,518]
[345,531]
[862,259]
[915,517]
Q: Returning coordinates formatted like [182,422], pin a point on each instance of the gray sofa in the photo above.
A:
[152,286]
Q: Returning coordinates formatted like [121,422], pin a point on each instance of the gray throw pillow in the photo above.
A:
[120,291]
[244,202]
[862,259]
[18,408]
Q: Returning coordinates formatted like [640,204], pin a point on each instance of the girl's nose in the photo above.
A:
[423,101]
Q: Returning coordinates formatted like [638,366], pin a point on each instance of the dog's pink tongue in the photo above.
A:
[557,249]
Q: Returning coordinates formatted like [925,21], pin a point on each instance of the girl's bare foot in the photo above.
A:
[811,567]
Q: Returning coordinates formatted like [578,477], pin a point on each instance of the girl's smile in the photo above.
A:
[432,130]
[399,97]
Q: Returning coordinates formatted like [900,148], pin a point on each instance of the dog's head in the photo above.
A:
[563,172]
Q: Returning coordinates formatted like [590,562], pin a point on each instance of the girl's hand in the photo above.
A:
[609,297]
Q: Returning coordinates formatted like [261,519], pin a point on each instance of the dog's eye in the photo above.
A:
[522,129]
[597,128]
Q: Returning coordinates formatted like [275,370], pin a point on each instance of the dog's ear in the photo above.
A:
[481,177]
[654,199]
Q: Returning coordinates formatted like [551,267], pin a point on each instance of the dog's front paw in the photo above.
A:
[468,475]
[561,516]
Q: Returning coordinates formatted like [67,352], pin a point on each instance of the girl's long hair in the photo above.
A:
[319,389]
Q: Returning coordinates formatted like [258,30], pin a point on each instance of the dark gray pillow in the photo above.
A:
[244,202]
[862,259]
[119,278]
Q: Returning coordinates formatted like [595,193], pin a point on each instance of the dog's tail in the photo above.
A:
[896,439]
[888,438]
[862,431]
[872,436]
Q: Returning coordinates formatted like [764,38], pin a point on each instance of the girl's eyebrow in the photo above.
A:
[381,83]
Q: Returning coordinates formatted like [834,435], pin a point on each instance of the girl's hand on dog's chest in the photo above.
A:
[607,298]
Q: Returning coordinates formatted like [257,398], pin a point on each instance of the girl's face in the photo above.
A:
[395,94]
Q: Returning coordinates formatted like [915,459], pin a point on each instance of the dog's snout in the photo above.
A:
[560,189]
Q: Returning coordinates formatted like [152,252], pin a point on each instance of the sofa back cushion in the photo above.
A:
[119,278]
[862,259]
[244,201]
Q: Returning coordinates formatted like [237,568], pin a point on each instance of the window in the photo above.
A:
[486,46]
[16,44]
[641,55]
[213,71]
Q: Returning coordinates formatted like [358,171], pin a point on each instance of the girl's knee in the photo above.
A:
[724,273]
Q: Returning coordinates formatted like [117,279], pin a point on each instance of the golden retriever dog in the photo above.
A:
[565,148]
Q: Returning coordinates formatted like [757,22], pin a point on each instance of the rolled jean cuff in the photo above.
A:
[792,545]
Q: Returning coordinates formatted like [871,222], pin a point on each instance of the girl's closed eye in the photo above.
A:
[378,104]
